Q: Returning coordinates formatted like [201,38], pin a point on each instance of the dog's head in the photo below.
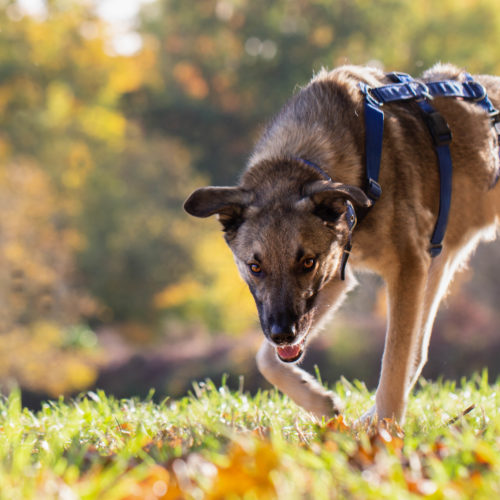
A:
[288,247]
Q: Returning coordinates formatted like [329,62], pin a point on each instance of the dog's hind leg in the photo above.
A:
[296,383]
[440,274]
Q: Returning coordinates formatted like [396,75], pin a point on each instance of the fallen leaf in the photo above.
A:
[337,424]
[248,471]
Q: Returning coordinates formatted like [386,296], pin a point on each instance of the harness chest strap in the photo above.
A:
[406,89]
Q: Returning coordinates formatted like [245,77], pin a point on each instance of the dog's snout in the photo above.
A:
[280,335]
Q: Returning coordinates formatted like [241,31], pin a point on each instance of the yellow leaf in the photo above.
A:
[248,470]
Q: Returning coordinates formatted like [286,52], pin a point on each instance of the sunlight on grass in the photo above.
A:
[215,444]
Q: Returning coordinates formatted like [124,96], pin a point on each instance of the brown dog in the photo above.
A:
[287,226]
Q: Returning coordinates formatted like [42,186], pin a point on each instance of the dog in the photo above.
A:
[289,223]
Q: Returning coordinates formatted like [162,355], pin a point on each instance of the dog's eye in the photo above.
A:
[255,268]
[308,264]
[328,214]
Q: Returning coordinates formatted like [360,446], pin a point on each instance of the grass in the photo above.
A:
[216,444]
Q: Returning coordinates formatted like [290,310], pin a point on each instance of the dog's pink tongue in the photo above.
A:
[289,351]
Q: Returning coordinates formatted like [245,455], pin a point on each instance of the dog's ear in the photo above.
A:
[327,196]
[227,202]
[322,192]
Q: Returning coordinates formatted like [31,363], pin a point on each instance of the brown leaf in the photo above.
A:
[337,424]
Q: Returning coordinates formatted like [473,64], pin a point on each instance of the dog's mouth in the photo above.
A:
[290,353]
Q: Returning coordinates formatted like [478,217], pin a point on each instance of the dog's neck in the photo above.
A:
[280,180]
[334,142]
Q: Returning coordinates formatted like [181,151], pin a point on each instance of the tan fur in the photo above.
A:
[283,216]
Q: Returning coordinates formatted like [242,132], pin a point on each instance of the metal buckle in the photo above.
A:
[495,121]
[439,129]
[345,256]
[435,249]
[374,191]
[419,94]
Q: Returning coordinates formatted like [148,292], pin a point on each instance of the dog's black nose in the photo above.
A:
[280,335]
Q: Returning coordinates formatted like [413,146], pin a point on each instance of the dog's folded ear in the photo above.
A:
[227,202]
[327,199]
[325,192]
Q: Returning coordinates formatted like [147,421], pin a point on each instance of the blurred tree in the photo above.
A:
[38,295]
[36,250]
[118,193]
[211,293]
[138,240]
[59,119]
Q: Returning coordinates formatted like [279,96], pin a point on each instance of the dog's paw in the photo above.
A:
[326,405]
[368,417]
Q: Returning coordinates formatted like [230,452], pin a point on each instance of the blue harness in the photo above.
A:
[405,88]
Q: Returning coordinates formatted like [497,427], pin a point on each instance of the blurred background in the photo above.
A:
[112,112]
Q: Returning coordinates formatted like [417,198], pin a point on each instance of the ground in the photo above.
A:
[217,444]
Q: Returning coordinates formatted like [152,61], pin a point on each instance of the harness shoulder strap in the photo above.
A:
[374,135]
[441,137]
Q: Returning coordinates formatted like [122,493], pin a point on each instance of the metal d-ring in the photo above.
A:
[368,91]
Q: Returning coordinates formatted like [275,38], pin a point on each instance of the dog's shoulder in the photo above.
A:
[443,71]
[350,75]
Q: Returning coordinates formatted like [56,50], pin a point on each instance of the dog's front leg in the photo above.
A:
[406,290]
[296,383]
